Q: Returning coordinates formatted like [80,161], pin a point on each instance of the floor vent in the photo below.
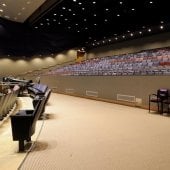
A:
[126,98]
[69,90]
[92,93]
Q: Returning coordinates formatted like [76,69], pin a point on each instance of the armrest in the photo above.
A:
[152,95]
[23,113]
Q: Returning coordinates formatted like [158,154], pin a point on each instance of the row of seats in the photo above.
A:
[150,62]
[24,122]
[7,101]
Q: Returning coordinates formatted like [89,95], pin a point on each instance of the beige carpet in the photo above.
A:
[83,134]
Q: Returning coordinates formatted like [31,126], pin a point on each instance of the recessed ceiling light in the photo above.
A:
[54,20]
[116,38]
[94,15]
[15,18]
[123,36]
[74,14]
[80,3]
[61,15]
[59,23]
[95,24]
[83,9]
[3,4]
[120,2]
[63,7]
[76,24]
[131,34]
[161,22]
[74,0]
[105,20]
[94,2]
[149,30]
[23,8]
[47,19]
[41,24]
[54,14]
[110,40]
[85,19]
[69,10]
[140,32]
[69,27]
[28,2]
[118,15]
[36,27]
[151,2]
[106,9]
[48,23]
[65,19]
[19,13]
[86,28]
[1,10]
[133,9]
[161,27]
[78,31]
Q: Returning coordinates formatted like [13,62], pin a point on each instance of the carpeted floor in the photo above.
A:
[81,134]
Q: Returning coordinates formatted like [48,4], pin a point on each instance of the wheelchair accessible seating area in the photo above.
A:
[23,122]
[162,99]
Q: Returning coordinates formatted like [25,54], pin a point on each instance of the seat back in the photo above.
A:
[163,94]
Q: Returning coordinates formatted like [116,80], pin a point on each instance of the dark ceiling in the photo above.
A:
[58,25]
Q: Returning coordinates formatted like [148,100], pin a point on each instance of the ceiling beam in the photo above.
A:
[42,10]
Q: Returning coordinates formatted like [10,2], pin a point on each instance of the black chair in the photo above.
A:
[159,98]
[23,124]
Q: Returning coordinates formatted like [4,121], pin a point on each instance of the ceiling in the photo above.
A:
[34,27]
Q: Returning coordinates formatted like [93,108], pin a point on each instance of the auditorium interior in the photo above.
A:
[84,85]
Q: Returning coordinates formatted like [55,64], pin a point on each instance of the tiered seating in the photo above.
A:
[150,62]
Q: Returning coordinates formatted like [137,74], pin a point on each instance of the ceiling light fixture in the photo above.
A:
[161,27]
[149,30]
[28,2]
